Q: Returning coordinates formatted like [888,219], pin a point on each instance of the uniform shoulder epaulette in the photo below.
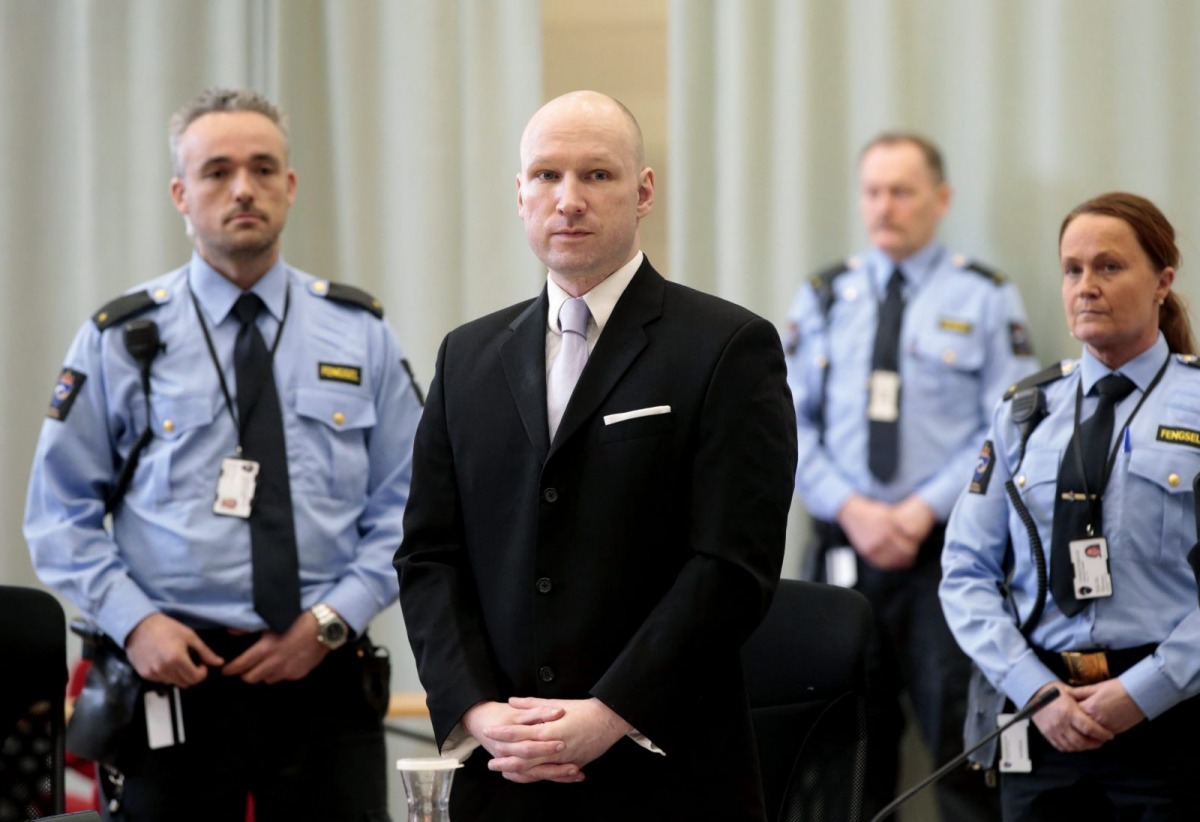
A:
[965,264]
[347,295]
[822,282]
[1044,377]
[825,277]
[128,305]
[1190,360]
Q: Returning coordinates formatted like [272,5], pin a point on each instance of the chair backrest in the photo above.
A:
[805,671]
[33,658]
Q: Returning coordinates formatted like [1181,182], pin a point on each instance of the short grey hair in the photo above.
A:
[219,99]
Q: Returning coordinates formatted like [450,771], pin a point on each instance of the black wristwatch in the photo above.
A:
[332,630]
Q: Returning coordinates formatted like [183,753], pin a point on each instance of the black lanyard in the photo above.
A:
[239,425]
[1094,499]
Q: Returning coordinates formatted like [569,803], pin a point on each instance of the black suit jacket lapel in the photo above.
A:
[523,356]
[623,340]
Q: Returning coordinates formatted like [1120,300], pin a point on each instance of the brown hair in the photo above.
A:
[1156,236]
[932,154]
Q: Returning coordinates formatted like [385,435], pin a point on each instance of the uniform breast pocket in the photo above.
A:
[330,453]
[176,463]
[1037,482]
[1158,504]
[946,365]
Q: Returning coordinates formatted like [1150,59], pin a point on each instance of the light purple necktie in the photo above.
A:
[568,365]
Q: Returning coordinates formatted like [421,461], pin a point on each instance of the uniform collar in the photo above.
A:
[1141,369]
[600,300]
[916,269]
[216,294]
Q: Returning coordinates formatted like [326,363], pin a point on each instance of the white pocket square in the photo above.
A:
[609,419]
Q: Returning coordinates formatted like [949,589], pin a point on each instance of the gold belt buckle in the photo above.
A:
[1085,667]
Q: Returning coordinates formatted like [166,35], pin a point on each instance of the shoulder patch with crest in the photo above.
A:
[1018,337]
[65,392]
[983,468]
[412,379]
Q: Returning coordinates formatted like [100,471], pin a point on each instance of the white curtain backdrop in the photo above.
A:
[405,119]
[1037,105]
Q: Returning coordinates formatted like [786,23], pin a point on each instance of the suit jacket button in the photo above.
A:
[544,585]
[550,495]
[546,673]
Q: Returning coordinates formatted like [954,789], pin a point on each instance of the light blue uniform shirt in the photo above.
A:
[349,452]
[960,331]
[1148,520]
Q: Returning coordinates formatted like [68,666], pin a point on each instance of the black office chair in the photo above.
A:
[33,657]
[77,816]
[806,681]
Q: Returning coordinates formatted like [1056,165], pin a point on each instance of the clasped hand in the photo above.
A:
[165,650]
[1084,718]
[884,535]
[532,739]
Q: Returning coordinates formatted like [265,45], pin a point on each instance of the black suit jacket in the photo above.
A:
[626,561]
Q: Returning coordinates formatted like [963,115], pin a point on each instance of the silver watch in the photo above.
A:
[332,630]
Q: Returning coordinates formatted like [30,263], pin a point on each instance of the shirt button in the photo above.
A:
[1173,480]
[546,673]
[338,417]
[544,585]
[168,426]
[948,356]
[1021,481]
[550,495]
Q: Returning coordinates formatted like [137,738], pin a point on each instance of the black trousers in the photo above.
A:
[1150,773]
[307,750]
[915,652]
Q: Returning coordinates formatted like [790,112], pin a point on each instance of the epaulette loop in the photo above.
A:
[826,276]
[128,305]
[1190,360]
[822,281]
[347,295]
[961,261]
[1044,377]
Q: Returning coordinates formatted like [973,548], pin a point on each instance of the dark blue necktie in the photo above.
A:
[272,527]
[884,443]
[1078,501]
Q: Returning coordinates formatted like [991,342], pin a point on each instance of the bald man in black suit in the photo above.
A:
[577,589]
